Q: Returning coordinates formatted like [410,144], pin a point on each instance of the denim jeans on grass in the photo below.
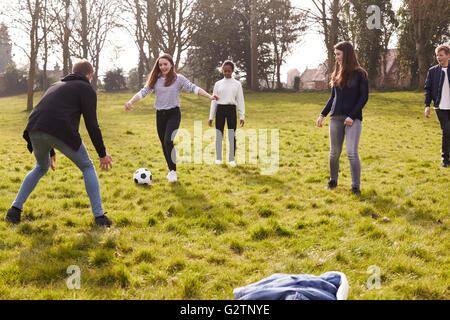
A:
[42,144]
[339,131]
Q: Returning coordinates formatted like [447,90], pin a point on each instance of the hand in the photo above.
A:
[214,97]
[348,121]
[241,123]
[53,160]
[210,123]
[427,112]
[128,106]
[319,121]
[106,162]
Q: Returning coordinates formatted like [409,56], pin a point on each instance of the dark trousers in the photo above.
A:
[167,123]
[444,120]
[228,113]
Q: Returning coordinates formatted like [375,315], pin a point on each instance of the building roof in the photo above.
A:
[319,74]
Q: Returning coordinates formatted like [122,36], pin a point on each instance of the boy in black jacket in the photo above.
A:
[54,123]
[437,89]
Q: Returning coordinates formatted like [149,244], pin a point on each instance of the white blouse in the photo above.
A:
[229,91]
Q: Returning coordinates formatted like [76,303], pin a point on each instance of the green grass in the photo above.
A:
[219,228]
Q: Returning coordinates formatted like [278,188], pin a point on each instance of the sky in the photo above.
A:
[120,50]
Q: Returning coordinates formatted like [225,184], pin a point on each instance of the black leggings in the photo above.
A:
[227,112]
[167,121]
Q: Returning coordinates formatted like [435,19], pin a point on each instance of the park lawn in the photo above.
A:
[220,228]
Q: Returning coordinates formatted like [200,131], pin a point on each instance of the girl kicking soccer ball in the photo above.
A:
[167,85]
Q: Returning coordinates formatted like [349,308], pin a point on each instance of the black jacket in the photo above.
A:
[434,84]
[351,100]
[59,111]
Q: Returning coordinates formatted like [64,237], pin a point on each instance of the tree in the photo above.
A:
[223,32]
[406,47]
[47,24]
[97,20]
[372,44]
[133,80]
[27,15]
[61,12]
[430,21]
[328,19]
[135,22]
[114,80]
[285,27]
[16,81]
[213,41]
[254,84]
[175,25]
[5,47]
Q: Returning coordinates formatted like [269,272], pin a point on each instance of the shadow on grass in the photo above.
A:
[250,175]
[194,210]
[45,262]
[191,203]
[380,203]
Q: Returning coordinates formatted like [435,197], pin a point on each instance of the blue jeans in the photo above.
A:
[42,144]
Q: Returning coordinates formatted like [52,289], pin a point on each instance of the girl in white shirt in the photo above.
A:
[231,95]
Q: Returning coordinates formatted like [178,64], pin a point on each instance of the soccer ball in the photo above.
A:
[142,176]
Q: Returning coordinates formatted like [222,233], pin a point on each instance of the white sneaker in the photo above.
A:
[232,164]
[172,176]
[219,161]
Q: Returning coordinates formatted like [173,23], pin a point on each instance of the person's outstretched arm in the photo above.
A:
[212,112]
[188,86]
[205,94]
[138,96]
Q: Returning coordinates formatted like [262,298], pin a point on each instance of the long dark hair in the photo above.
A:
[156,72]
[343,72]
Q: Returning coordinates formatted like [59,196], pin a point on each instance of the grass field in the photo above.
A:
[220,228]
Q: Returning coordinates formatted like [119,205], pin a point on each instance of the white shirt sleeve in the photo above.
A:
[213,110]
[240,102]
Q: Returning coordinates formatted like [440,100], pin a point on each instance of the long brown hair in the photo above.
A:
[343,73]
[156,72]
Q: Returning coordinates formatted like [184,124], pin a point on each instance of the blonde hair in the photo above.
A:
[444,48]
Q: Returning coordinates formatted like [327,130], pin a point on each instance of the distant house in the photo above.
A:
[315,79]
[55,74]
[389,75]
[291,75]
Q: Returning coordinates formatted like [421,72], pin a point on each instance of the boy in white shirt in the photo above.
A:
[437,89]
[231,95]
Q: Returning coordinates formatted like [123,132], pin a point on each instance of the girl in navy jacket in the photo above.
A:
[350,92]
